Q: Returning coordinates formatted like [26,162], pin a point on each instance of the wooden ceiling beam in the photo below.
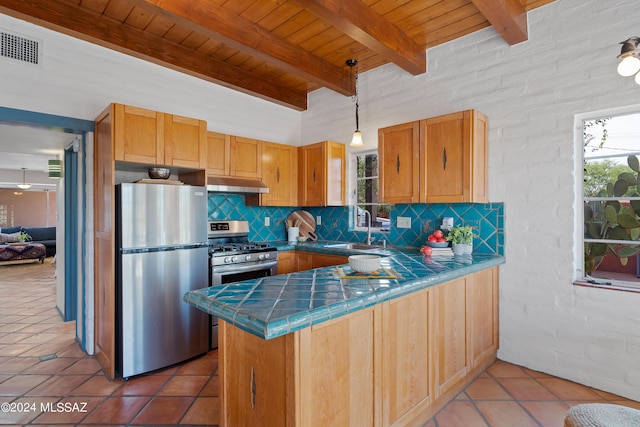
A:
[72,20]
[364,25]
[508,17]
[208,18]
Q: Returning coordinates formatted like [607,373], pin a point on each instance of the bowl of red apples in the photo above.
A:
[437,240]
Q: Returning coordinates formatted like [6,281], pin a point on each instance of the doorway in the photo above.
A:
[68,136]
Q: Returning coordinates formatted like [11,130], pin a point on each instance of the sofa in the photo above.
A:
[43,235]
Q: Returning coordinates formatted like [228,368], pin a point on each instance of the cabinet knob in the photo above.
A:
[444,158]
[278,174]
[398,164]
[314,174]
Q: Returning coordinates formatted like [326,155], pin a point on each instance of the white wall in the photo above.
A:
[531,93]
[79,79]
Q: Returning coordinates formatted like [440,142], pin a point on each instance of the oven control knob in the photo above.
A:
[261,256]
[267,256]
[227,259]
[247,258]
[234,259]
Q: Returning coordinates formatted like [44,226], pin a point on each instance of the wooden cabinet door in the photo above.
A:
[406,376]
[326,260]
[246,157]
[256,382]
[280,174]
[336,371]
[447,158]
[336,174]
[304,261]
[482,320]
[138,135]
[323,179]
[455,158]
[185,142]
[104,247]
[218,154]
[312,175]
[450,355]
[398,152]
[287,262]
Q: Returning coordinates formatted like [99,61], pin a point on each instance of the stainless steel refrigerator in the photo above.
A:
[161,254]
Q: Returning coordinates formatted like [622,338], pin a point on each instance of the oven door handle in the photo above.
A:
[240,268]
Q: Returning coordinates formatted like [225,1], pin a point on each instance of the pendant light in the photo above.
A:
[356,141]
[24,184]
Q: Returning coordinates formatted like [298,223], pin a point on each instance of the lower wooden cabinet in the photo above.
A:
[396,363]
[287,262]
[327,260]
[292,261]
[252,376]
[482,316]
[406,371]
[451,361]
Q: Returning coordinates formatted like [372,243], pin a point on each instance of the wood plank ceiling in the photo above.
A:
[278,50]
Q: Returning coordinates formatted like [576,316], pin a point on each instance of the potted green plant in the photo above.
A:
[23,237]
[461,238]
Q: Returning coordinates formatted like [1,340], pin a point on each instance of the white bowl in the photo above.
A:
[364,263]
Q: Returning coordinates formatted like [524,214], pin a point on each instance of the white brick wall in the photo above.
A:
[531,93]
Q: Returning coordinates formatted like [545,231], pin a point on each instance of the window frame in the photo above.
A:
[356,179]
[581,278]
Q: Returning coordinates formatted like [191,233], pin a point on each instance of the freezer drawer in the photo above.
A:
[157,328]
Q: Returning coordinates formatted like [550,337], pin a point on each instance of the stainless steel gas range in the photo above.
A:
[234,258]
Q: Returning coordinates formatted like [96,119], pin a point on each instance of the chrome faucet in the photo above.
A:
[369,239]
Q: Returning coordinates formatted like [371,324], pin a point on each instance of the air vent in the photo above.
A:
[20,49]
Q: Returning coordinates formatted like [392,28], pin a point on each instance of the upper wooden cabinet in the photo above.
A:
[322,174]
[398,151]
[437,160]
[138,134]
[218,154]
[455,158]
[229,155]
[246,157]
[280,174]
[152,137]
[185,142]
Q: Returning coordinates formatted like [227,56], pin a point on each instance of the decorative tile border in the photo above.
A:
[487,219]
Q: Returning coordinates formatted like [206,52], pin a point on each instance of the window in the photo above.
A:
[611,200]
[367,194]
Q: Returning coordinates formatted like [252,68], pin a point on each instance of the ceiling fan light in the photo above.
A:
[24,186]
[629,65]
[637,78]
[357,139]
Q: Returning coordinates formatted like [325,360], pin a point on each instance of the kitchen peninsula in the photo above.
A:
[312,349]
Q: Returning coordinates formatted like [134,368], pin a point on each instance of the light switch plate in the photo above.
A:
[267,221]
[404,222]
[318,220]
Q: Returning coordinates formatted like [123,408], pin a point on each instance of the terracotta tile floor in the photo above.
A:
[73,383]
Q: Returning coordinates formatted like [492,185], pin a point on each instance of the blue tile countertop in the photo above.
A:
[273,306]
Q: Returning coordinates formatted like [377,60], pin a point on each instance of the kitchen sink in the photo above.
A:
[355,246]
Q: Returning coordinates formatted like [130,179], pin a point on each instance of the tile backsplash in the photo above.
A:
[336,224]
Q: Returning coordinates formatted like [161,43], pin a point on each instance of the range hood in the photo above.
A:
[235,185]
